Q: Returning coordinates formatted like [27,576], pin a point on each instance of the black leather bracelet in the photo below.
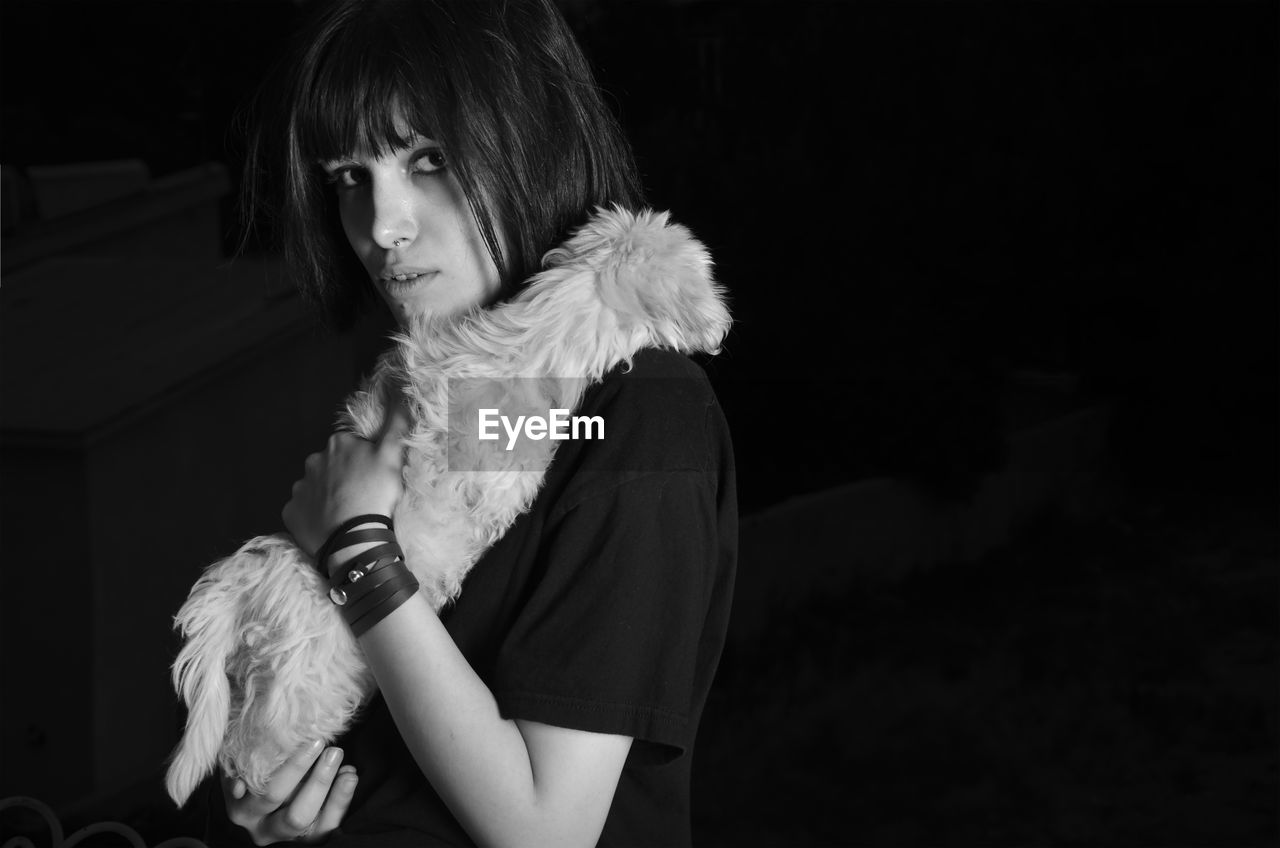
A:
[346,591]
[364,594]
[388,581]
[328,547]
[355,537]
[389,605]
[361,562]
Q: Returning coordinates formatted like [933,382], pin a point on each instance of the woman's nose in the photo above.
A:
[394,221]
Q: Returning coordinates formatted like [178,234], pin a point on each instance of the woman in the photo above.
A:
[435,153]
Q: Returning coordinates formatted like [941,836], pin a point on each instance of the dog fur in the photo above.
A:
[267,662]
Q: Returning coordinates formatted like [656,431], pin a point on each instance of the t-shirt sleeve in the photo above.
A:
[608,638]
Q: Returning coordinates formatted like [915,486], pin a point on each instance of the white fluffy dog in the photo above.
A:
[268,662]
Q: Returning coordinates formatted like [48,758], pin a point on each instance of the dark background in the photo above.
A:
[915,207]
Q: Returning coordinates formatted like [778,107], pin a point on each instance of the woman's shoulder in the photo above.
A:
[658,416]
[657,380]
[659,363]
[662,400]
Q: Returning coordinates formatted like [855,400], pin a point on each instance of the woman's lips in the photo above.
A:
[407,280]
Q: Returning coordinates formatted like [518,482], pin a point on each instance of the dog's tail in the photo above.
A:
[209,623]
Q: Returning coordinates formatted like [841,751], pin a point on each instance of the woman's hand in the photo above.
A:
[351,477]
[305,799]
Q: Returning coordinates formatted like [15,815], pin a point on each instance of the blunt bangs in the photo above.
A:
[364,94]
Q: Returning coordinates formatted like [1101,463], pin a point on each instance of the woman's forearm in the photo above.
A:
[480,763]
[476,760]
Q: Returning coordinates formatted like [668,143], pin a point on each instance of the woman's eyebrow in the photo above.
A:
[418,142]
[330,164]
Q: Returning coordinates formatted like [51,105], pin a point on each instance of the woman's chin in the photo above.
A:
[408,313]
[431,297]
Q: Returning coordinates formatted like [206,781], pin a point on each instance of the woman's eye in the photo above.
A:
[430,161]
[346,178]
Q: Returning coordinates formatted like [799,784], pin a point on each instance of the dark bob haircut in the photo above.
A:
[500,84]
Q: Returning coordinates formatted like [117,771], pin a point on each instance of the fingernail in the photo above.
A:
[331,756]
[347,768]
[314,746]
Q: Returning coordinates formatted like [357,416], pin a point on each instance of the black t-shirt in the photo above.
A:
[603,608]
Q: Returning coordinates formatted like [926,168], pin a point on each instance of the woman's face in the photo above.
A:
[409,223]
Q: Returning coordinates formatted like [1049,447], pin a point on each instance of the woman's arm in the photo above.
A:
[507,782]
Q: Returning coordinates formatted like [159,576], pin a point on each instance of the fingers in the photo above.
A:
[336,803]
[284,782]
[306,798]
[300,814]
[233,791]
